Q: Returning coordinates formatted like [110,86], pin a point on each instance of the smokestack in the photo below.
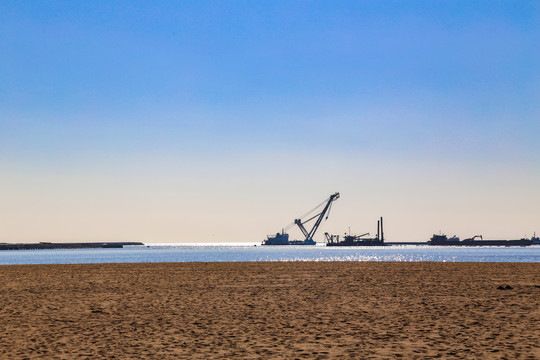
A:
[382,233]
[378,227]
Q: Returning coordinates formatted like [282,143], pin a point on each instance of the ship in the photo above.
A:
[282,238]
[443,240]
[357,240]
[476,240]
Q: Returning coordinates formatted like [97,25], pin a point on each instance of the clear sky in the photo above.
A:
[189,121]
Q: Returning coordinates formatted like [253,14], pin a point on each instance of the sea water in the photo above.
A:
[254,252]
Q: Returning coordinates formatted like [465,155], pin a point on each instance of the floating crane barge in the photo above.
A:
[283,238]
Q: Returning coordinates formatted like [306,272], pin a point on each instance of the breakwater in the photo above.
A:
[51,245]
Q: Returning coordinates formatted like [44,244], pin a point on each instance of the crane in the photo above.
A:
[283,238]
[325,211]
[474,238]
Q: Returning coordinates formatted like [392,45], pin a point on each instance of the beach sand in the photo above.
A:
[279,310]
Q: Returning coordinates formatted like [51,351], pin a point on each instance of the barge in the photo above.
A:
[477,240]
[357,240]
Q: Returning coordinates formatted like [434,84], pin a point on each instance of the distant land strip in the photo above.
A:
[51,245]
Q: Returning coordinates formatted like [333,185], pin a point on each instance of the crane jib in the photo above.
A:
[309,235]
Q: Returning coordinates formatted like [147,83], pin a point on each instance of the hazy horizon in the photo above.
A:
[225,120]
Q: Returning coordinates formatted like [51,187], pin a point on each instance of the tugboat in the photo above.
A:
[283,238]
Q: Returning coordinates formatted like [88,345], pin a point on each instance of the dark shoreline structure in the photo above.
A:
[56,246]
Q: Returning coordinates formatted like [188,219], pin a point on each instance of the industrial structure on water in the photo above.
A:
[357,240]
[476,240]
[283,238]
[362,240]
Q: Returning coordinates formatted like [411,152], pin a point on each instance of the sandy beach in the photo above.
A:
[282,310]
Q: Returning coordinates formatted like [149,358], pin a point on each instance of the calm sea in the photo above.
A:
[250,252]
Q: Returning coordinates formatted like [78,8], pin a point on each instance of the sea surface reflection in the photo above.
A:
[250,252]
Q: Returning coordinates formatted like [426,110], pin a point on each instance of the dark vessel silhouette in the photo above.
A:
[357,240]
[476,240]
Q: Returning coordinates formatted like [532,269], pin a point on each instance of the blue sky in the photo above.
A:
[223,120]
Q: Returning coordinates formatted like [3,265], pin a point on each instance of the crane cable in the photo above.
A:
[315,208]
[286,228]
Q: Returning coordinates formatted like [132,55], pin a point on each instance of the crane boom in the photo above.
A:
[309,235]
